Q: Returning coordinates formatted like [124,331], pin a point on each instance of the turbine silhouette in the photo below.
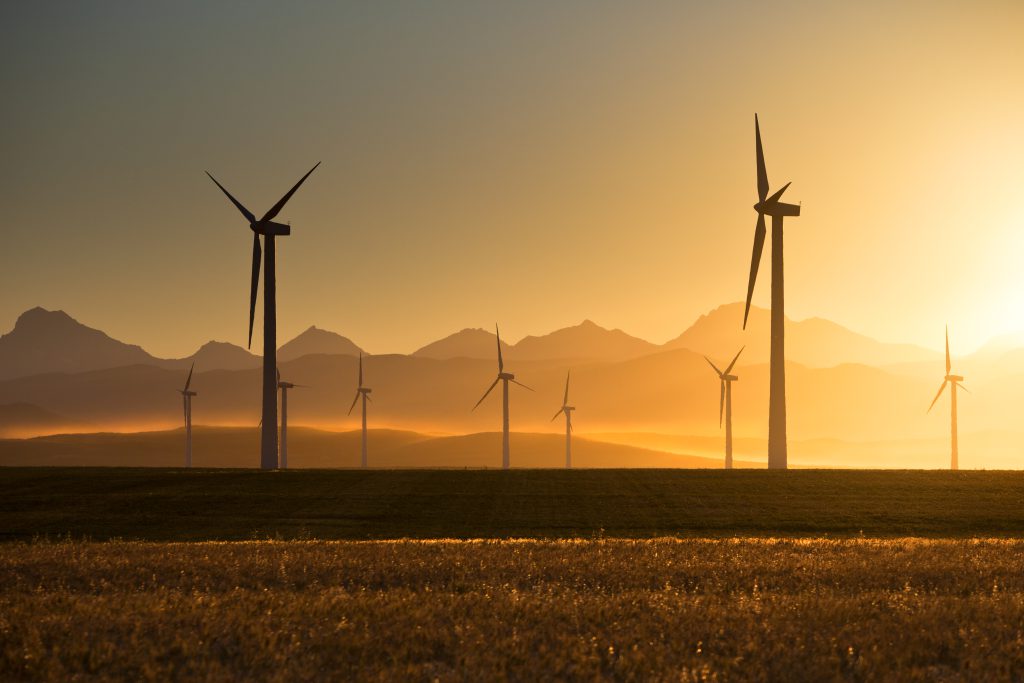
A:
[269,230]
[725,403]
[186,396]
[284,387]
[504,378]
[567,409]
[954,382]
[365,393]
[771,206]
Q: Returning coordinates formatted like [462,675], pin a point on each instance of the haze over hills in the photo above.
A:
[233,447]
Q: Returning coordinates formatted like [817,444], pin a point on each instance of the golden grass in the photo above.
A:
[744,609]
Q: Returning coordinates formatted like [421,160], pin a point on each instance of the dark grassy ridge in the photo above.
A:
[174,504]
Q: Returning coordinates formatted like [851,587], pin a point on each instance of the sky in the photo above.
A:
[530,163]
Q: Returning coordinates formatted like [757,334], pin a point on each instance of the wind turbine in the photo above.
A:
[269,229]
[954,382]
[567,409]
[725,403]
[504,378]
[186,396]
[365,393]
[771,206]
[284,387]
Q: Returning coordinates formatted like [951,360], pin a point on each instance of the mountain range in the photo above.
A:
[57,375]
[45,342]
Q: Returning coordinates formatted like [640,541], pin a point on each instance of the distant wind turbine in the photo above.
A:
[725,403]
[365,393]
[954,382]
[186,396]
[284,387]
[771,206]
[504,378]
[567,409]
[269,229]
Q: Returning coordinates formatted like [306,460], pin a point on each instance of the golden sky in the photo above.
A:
[533,163]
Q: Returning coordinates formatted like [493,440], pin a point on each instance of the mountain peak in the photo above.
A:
[39,317]
[316,340]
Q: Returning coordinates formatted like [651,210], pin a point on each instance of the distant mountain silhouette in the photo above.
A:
[217,355]
[468,343]
[586,341]
[315,340]
[814,342]
[52,341]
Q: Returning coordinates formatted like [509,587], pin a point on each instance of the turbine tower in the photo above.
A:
[186,396]
[365,393]
[284,387]
[954,382]
[504,378]
[771,206]
[269,230]
[567,409]
[725,403]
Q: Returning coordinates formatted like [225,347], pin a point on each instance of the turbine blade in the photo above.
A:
[565,401]
[274,210]
[257,256]
[948,364]
[189,380]
[501,363]
[520,384]
[762,174]
[351,407]
[245,212]
[721,403]
[934,400]
[755,261]
[489,390]
[713,366]
[729,369]
[775,197]
[369,399]
[961,386]
[184,407]
[556,415]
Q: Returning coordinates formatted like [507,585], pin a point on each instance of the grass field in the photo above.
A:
[194,505]
[685,610]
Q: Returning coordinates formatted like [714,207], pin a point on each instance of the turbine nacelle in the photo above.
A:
[270,228]
[508,376]
[189,393]
[777,209]
[730,378]
[954,378]
[364,390]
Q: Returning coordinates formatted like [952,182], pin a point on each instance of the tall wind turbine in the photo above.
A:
[284,387]
[365,393]
[567,409]
[771,206]
[269,230]
[954,382]
[725,403]
[504,378]
[186,396]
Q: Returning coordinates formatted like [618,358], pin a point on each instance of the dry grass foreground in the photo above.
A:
[746,609]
